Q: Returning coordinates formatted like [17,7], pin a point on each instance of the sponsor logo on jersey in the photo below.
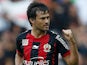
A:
[35,47]
[41,61]
[25,42]
[41,58]
[47,47]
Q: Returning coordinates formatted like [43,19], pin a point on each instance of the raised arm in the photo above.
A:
[71,59]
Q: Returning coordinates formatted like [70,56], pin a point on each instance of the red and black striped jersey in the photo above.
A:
[40,51]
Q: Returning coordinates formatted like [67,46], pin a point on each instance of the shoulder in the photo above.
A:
[23,34]
[51,33]
[57,36]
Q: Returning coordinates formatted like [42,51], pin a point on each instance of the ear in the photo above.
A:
[32,20]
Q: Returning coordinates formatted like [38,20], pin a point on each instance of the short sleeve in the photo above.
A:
[63,48]
[19,48]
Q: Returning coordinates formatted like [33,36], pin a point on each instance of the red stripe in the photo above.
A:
[66,54]
[53,57]
[41,52]
[28,48]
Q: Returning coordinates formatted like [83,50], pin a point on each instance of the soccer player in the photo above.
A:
[40,46]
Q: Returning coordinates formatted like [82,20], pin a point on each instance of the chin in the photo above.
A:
[46,29]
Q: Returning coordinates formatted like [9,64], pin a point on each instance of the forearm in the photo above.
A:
[74,52]
[18,60]
[71,59]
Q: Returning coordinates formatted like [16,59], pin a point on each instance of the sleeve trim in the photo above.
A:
[18,52]
[66,54]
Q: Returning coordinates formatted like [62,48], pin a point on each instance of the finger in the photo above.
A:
[67,31]
[63,31]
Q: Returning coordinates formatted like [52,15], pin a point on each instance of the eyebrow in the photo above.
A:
[44,17]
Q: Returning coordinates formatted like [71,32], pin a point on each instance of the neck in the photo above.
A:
[38,33]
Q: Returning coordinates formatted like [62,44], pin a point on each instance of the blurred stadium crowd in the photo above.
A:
[64,14]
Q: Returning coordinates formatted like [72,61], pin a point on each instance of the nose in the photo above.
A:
[47,20]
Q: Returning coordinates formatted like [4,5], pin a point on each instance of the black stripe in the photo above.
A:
[56,57]
[19,39]
[51,42]
[34,52]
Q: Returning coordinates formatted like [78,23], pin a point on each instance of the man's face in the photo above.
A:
[42,20]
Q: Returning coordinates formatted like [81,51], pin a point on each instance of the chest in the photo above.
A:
[43,47]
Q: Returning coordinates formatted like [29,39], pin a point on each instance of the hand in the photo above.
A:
[68,34]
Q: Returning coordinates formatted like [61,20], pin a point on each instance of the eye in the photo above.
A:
[48,17]
[43,18]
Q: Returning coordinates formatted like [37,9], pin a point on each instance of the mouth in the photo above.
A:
[46,26]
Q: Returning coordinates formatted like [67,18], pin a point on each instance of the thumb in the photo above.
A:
[67,32]
[64,31]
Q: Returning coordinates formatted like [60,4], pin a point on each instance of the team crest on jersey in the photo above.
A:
[47,47]
[25,42]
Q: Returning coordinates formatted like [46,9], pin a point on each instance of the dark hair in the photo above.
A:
[33,7]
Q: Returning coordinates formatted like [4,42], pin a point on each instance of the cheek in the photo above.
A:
[40,23]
